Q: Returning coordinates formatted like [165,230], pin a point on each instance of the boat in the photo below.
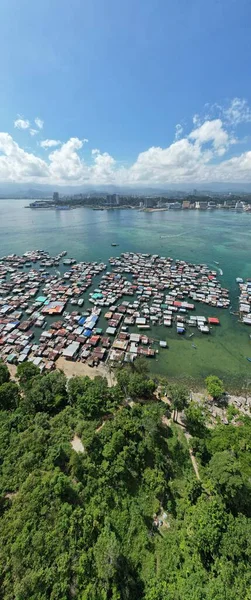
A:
[113,244]
[191,335]
[193,346]
[216,262]
[249,359]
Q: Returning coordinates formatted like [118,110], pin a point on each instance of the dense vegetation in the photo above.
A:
[81,524]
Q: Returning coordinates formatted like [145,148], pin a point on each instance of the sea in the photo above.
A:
[194,236]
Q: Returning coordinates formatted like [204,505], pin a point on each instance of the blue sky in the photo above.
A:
[123,74]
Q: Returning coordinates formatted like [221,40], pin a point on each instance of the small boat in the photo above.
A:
[249,359]
[113,244]
[216,262]
[195,347]
[191,335]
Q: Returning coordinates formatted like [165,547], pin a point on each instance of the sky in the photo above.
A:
[125,92]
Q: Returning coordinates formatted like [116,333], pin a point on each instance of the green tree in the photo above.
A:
[135,384]
[179,397]
[77,388]
[106,554]
[157,590]
[25,373]
[9,395]
[208,522]
[4,373]
[48,393]
[195,419]
[141,366]
[224,472]
[96,400]
[215,387]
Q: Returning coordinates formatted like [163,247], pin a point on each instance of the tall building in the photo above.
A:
[113,199]
[55,196]
[186,204]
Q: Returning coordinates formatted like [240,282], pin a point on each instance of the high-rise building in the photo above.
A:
[55,196]
[186,204]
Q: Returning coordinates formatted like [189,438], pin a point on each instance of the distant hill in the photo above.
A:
[45,191]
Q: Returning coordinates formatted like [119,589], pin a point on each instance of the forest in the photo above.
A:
[122,515]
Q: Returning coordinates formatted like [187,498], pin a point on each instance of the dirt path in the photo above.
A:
[193,459]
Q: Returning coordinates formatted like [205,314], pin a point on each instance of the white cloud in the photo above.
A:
[178,131]
[199,156]
[21,123]
[19,166]
[49,143]
[33,132]
[65,163]
[212,131]
[237,112]
[85,141]
[39,123]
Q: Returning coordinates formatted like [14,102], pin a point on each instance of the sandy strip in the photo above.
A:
[71,368]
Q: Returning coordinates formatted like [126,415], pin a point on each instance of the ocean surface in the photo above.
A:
[194,236]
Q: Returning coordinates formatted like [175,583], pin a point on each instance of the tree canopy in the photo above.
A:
[215,386]
[121,516]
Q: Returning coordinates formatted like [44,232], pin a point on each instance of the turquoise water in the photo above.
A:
[195,236]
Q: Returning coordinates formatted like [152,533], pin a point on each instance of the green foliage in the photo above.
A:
[224,472]
[80,524]
[195,419]
[215,386]
[157,590]
[48,393]
[106,554]
[25,373]
[4,373]
[9,395]
[179,397]
[135,384]
[232,412]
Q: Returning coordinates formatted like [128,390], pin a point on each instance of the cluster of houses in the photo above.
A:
[244,300]
[42,316]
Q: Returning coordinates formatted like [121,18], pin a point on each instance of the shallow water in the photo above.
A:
[195,236]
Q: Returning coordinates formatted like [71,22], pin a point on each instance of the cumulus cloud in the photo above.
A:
[201,155]
[65,163]
[17,165]
[49,143]
[21,123]
[33,132]
[39,123]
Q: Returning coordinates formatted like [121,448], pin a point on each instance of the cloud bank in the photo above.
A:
[202,154]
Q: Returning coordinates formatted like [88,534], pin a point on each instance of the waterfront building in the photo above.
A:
[186,204]
[175,205]
[201,205]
